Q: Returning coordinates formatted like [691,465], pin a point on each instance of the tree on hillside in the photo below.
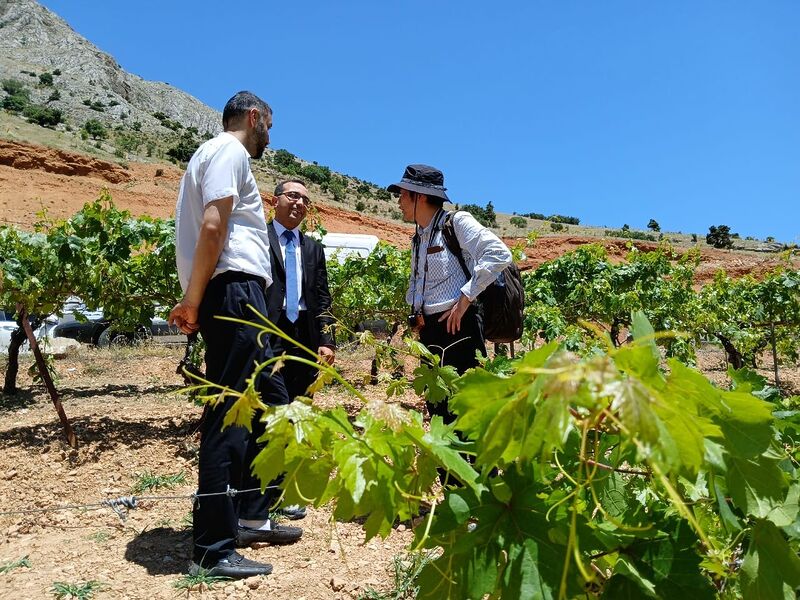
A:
[719,236]
[653,225]
[95,129]
[484,216]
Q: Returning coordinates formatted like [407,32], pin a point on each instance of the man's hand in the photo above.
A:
[326,354]
[455,314]
[184,316]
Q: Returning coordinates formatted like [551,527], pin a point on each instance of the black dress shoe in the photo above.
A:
[279,534]
[293,512]
[234,566]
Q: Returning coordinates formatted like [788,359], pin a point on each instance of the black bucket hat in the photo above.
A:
[423,180]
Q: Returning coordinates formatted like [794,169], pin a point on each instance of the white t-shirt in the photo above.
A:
[221,168]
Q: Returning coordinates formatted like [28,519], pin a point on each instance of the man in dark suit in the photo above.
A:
[298,301]
[303,312]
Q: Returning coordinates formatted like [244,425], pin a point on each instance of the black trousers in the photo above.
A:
[457,351]
[232,351]
[296,376]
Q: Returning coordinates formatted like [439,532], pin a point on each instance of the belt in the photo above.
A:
[239,276]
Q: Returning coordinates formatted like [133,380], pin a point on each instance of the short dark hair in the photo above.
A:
[239,104]
[282,184]
[435,200]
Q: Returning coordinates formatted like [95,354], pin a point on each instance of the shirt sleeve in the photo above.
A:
[223,174]
[488,252]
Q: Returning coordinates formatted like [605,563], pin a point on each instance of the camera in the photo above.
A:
[416,321]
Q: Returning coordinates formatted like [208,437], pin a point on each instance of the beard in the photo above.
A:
[261,134]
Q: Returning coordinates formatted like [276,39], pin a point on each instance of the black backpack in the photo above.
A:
[504,299]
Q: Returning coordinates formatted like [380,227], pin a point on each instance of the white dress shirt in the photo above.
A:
[279,229]
[439,289]
[220,168]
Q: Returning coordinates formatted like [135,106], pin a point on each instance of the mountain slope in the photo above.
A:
[36,40]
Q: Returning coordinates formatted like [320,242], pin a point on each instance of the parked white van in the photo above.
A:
[342,245]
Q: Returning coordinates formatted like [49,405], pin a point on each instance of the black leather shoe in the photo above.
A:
[234,566]
[293,512]
[279,534]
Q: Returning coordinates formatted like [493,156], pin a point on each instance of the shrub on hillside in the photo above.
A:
[519,221]
[285,162]
[484,216]
[42,115]
[184,149]
[316,174]
[631,235]
[46,79]
[95,129]
[719,236]
[14,87]
[15,104]
[534,215]
[564,219]
[557,226]
[653,225]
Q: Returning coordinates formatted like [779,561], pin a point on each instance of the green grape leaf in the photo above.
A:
[509,552]
[757,486]
[746,423]
[771,569]
[636,413]
[438,441]
[667,568]
[434,382]
[479,398]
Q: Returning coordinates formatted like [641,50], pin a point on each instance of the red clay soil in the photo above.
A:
[33,178]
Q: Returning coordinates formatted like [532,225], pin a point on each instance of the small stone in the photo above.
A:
[10,474]
[401,527]
[337,583]
[253,583]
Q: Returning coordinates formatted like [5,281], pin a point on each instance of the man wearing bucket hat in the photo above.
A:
[440,294]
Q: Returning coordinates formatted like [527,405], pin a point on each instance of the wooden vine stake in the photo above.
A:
[69,433]
[774,354]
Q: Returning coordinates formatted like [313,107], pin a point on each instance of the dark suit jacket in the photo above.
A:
[314,287]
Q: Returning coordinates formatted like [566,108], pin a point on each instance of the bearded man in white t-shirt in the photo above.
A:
[222,250]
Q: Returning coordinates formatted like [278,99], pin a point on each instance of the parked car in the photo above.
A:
[93,328]
[8,325]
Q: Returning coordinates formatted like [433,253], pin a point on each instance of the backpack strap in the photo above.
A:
[451,241]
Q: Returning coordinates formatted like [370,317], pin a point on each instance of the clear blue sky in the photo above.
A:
[614,112]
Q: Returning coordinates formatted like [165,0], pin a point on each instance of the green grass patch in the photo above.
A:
[76,591]
[201,581]
[7,567]
[149,481]
[406,571]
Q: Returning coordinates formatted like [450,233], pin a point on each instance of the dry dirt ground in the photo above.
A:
[130,421]
[33,178]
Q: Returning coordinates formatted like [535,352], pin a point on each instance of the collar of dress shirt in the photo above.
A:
[279,229]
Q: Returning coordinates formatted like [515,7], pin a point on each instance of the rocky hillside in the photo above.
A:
[86,82]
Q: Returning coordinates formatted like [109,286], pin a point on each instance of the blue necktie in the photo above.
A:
[292,291]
